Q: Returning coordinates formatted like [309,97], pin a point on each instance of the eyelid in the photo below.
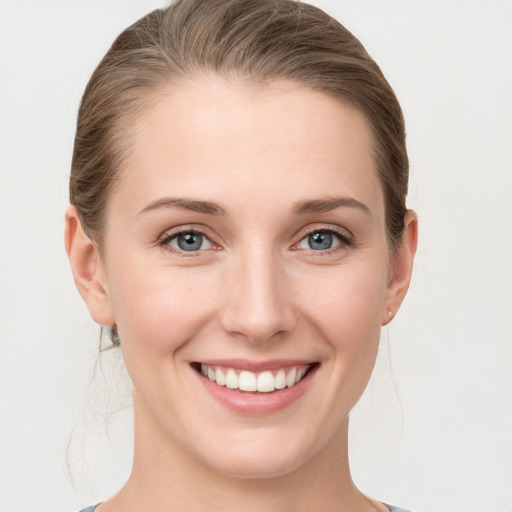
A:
[344,235]
[172,232]
[169,234]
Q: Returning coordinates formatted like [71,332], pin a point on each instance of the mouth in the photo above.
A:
[255,388]
[244,380]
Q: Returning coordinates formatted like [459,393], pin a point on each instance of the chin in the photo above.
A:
[256,468]
[260,456]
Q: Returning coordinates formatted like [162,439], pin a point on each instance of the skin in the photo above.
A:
[256,291]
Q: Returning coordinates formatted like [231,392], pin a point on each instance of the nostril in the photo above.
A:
[258,306]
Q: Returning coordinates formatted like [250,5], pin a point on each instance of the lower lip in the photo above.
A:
[256,403]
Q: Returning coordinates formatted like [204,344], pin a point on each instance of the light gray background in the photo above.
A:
[434,429]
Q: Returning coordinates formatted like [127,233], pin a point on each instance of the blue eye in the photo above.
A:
[188,241]
[322,240]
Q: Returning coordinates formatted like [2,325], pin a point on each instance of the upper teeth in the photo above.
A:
[264,382]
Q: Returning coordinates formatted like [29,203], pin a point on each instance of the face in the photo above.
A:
[246,264]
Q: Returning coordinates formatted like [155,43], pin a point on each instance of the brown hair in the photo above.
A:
[254,40]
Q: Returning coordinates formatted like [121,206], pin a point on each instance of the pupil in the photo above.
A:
[320,241]
[190,241]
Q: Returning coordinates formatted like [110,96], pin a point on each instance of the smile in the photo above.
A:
[256,387]
[263,382]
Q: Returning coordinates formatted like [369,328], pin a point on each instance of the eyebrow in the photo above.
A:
[300,207]
[193,205]
[327,205]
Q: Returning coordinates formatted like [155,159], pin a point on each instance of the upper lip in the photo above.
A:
[256,366]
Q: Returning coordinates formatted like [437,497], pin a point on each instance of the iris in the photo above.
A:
[320,241]
[190,241]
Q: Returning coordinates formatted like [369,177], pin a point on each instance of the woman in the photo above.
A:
[238,221]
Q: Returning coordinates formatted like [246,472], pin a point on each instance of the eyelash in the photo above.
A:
[345,240]
[168,236]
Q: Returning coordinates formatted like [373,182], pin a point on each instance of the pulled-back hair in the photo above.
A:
[254,40]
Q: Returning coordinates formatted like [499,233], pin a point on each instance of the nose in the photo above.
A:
[259,298]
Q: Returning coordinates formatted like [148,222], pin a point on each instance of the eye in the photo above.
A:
[322,240]
[188,241]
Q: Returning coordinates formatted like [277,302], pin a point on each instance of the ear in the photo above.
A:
[401,268]
[88,270]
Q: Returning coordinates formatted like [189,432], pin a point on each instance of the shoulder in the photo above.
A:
[391,508]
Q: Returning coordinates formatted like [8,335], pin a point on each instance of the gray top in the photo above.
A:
[391,508]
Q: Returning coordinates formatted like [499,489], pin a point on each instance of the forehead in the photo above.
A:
[213,136]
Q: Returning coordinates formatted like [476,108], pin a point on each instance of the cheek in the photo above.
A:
[160,309]
[346,303]
[347,314]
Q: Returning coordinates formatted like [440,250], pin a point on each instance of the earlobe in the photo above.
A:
[401,271]
[88,270]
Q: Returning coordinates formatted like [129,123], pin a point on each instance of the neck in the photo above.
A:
[166,477]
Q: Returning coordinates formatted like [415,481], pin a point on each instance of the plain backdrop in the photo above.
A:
[433,431]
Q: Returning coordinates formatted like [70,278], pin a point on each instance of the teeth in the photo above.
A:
[290,377]
[264,382]
[247,381]
[231,379]
[219,377]
[280,381]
